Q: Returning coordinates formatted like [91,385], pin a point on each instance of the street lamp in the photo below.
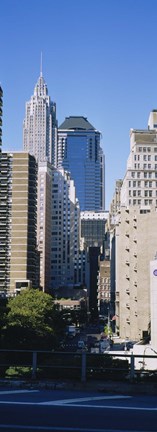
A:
[124,338]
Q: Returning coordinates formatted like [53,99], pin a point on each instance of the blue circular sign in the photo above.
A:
[155,272]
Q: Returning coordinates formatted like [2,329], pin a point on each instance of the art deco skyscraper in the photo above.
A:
[40,124]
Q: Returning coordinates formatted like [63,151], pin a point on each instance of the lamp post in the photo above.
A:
[124,339]
[108,323]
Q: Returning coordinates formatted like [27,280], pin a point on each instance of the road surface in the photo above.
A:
[71,411]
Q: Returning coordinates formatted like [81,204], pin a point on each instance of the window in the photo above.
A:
[133,174]
[138,183]
[134,202]
[134,183]
[144,157]
[149,157]
[138,174]
[144,166]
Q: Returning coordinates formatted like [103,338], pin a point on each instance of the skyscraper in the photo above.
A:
[79,152]
[18,214]
[1,104]
[40,125]
[135,233]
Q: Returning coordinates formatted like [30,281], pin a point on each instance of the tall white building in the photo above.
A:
[44,223]
[136,234]
[40,125]
[65,229]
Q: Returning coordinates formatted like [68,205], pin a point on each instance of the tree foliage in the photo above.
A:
[32,321]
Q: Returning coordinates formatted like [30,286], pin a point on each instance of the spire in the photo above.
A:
[41,65]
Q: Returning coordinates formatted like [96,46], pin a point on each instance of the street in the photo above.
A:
[77,411]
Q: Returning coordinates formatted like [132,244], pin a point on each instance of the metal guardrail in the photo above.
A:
[84,365]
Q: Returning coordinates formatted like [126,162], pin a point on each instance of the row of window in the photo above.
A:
[145,193]
[145,174]
[145,166]
[146,149]
[146,183]
[138,202]
[145,158]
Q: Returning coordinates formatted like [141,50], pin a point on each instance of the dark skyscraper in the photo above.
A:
[79,152]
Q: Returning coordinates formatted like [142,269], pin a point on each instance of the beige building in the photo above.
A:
[136,245]
[44,223]
[18,212]
[136,234]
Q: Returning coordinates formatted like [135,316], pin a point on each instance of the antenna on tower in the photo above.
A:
[41,65]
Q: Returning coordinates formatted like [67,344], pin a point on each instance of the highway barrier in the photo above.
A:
[27,364]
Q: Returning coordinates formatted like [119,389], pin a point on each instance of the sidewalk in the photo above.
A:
[116,387]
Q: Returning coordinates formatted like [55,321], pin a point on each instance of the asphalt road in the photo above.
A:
[60,410]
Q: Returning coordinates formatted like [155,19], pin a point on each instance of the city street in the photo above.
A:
[77,411]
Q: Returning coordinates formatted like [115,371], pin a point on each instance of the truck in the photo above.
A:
[71,331]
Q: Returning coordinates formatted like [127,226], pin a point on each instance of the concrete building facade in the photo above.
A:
[18,216]
[1,114]
[65,229]
[44,223]
[135,233]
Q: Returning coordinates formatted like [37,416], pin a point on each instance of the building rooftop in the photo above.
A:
[76,123]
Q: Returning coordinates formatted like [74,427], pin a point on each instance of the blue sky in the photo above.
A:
[99,61]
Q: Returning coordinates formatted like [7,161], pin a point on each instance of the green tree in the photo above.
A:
[32,321]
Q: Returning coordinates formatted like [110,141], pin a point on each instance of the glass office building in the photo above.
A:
[79,152]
